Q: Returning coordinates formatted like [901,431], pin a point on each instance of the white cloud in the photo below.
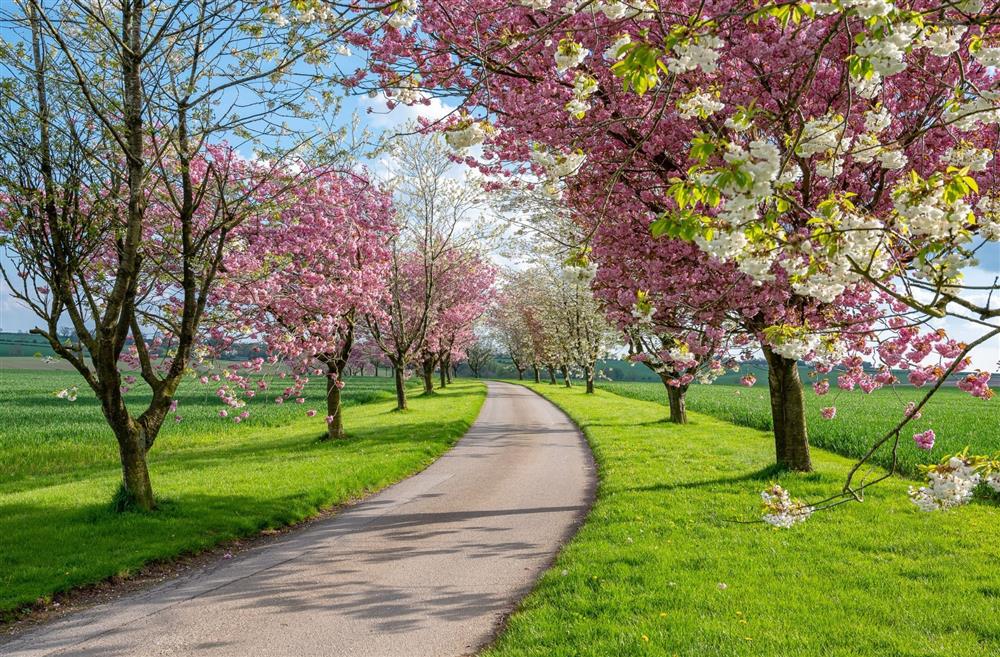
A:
[379,116]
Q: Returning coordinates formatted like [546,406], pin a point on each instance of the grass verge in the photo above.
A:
[660,568]
[56,534]
[959,419]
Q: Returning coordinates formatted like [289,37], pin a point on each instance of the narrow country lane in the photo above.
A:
[427,568]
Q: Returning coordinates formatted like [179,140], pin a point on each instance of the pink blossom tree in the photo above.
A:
[826,152]
[304,274]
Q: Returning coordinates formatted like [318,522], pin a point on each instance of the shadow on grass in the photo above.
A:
[764,474]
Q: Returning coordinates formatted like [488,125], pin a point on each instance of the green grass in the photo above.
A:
[214,480]
[958,419]
[863,580]
[41,435]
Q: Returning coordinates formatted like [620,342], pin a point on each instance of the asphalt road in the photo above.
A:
[427,568]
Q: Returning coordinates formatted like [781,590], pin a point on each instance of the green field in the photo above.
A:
[41,434]
[663,567]
[215,480]
[958,419]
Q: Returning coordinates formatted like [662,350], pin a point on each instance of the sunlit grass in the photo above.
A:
[958,419]
[214,480]
[663,567]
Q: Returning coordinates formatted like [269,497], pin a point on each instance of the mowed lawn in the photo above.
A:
[663,565]
[214,480]
[959,420]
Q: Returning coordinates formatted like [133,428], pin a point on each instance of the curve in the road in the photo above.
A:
[429,567]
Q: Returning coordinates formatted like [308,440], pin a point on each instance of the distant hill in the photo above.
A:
[24,344]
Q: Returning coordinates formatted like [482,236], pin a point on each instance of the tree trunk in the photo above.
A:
[565,372]
[444,374]
[451,370]
[520,375]
[589,372]
[678,407]
[428,371]
[538,377]
[334,416]
[552,375]
[135,472]
[791,438]
[397,371]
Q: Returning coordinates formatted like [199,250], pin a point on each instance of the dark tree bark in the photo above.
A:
[538,377]
[443,369]
[135,471]
[791,438]
[678,406]
[565,372]
[552,374]
[334,412]
[397,372]
[589,374]
[428,371]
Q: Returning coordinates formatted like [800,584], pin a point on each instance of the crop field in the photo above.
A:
[958,419]
[41,434]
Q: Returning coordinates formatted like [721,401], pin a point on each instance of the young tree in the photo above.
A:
[479,354]
[439,218]
[303,275]
[508,323]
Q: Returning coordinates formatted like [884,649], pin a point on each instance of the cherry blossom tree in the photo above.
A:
[508,325]
[834,152]
[305,274]
[441,229]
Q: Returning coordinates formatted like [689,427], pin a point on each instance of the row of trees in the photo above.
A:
[155,196]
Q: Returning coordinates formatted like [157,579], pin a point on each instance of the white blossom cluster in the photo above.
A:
[69,394]
[616,50]
[942,40]
[796,347]
[699,104]
[700,51]
[637,9]
[569,54]
[989,218]
[865,8]
[780,510]
[825,135]
[681,357]
[886,54]
[466,133]
[408,91]
[762,161]
[584,86]
[988,57]
[968,115]
[967,155]
[558,165]
[859,241]
[405,15]
[822,135]
[927,214]
[949,485]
